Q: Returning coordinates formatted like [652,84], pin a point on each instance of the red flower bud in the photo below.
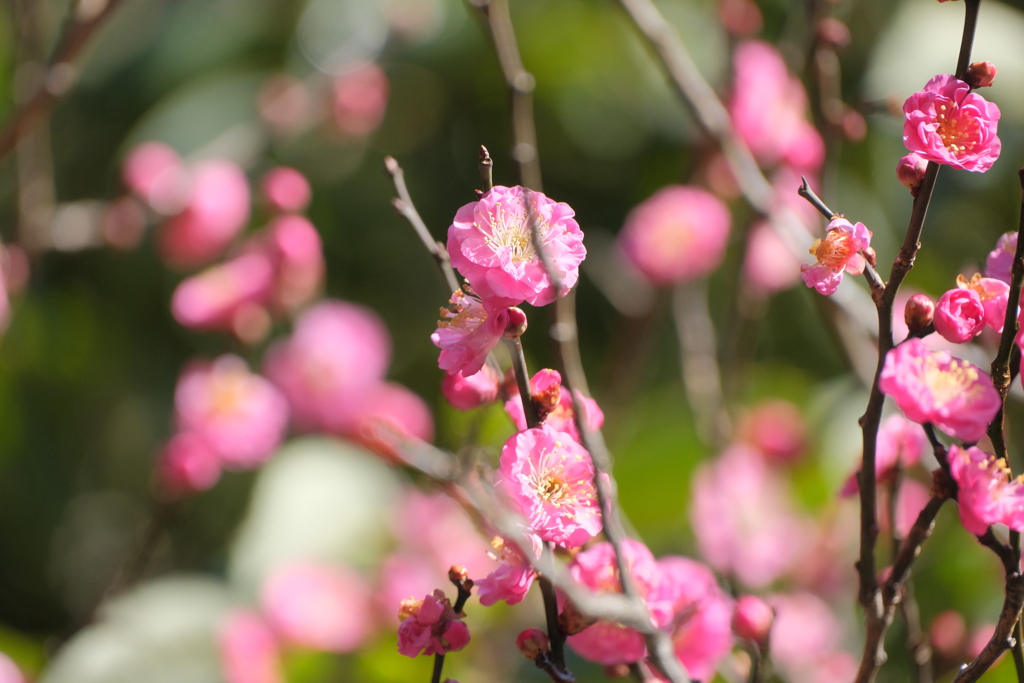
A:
[752,619]
[517,323]
[910,172]
[919,312]
[532,643]
[981,74]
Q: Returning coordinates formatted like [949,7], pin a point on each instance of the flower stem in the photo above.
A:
[438,666]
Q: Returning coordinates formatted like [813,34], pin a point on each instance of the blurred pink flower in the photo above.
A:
[677,235]
[752,619]
[491,245]
[187,464]
[838,252]
[9,671]
[952,394]
[239,414]
[550,479]
[318,607]
[948,124]
[216,212]
[467,393]
[555,407]
[979,639]
[899,441]
[467,332]
[768,264]
[512,579]
[910,172]
[1000,260]
[744,519]
[994,295]
[156,173]
[212,299]
[285,189]
[959,315]
[605,642]
[360,100]
[294,247]
[402,574]
[948,633]
[701,614]
[987,495]
[248,649]
[388,415]
[804,632]
[912,498]
[776,428]
[337,354]
[430,626]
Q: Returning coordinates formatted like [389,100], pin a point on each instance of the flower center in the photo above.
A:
[511,231]
[549,481]
[956,380]
[835,250]
[959,134]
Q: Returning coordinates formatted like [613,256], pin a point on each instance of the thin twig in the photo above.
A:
[807,193]
[698,361]
[486,169]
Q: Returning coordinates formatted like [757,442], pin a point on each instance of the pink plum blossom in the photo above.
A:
[776,428]
[296,251]
[216,211]
[605,642]
[744,519]
[214,298]
[338,352]
[491,245]
[948,124]
[948,633]
[994,295]
[912,497]
[430,626]
[387,415]
[360,100]
[986,494]
[768,264]
[900,442]
[910,172]
[318,607]
[752,619]
[950,393]
[285,189]
[467,393]
[249,650]
[959,315]
[187,464]
[156,173]
[402,574]
[839,252]
[239,414]
[550,479]
[1000,260]
[555,407]
[804,632]
[677,235]
[702,633]
[467,332]
[512,579]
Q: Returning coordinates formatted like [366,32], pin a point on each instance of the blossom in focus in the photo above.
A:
[249,650]
[744,520]
[900,442]
[467,332]
[768,263]
[285,189]
[952,394]
[677,235]
[216,211]
[338,352]
[511,581]
[994,295]
[910,172]
[607,643]
[360,100]
[430,627]
[999,263]
[212,299]
[776,428]
[318,607]
[550,479]
[986,494]
[701,614]
[187,464]
[555,407]
[491,245]
[948,124]
[839,252]
[466,393]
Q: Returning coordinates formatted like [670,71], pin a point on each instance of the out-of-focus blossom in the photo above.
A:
[187,464]
[285,103]
[948,124]
[156,173]
[948,633]
[804,632]
[994,295]
[912,497]
[550,478]
[296,251]
[555,407]
[466,393]
[318,607]
[249,650]
[239,414]
[910,171]
[986,494]
[740,17]
[979,639]
[285,189]
[744,520]
[387,415]
[123,223]
[402,574]
[952,394]
[430,627]
[216,211]
[607,643]
[776,428]
[212,299]
[839,252]
[768,264]
[981,74]
[1000,260]
[338,352]
[9,671]
[360,100]
[959,315]
[491,245]
[752,619]
[833,32]
[511,581]
[918,312]
[701,614]
[900,442]
[467,332]
[677,235]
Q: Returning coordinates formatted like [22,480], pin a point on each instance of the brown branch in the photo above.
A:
[1002,638]
[486,169]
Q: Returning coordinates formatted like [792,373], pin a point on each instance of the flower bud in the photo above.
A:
[517,323]
[918,312]
[910,171]
[752,619]
[870,256]
[459,576]
[981,74]
[532,643]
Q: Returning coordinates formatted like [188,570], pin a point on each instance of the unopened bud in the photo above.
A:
[870,256]
[919,312]
[833,32]
[516,323]
[752,619]
[532,643]
[981,74]
[910,172]
[571,621]
[459,576]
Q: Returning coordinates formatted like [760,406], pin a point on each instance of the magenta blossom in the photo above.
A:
[511,581]
[430,626]
[838,252]
[187,464]
[805,633]
[900,442]
[249,650]
[285,189]
[296,251]
[677,235]
[212,299]
[550,479]
[1000,260]
[467,332]
[952,394]
[702,633]
[777,429]
[948,124]
[987,495]
[994,295]
[555,407]
[466,393]
[360,100]
[959,315]
[491,244]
